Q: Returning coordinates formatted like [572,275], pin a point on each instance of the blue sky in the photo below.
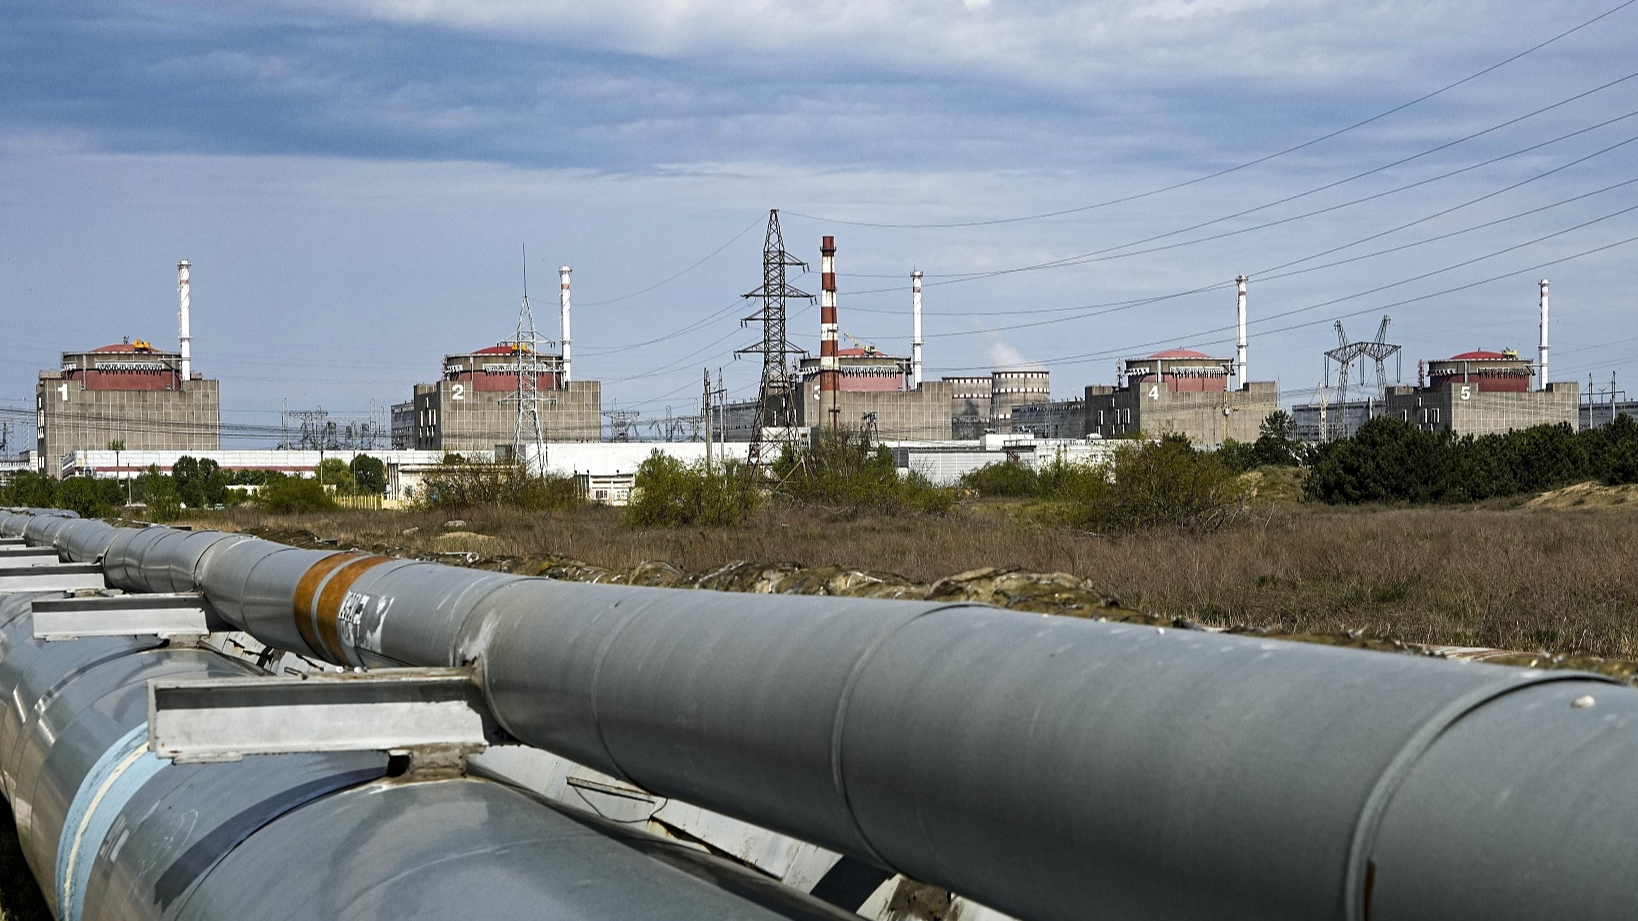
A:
[353,182]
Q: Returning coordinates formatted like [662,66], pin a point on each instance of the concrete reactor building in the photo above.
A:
[861,388]
[132,392]
[474,405]
[1483,392]
[1181,391]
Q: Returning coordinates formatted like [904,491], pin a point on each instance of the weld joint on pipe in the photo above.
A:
[1358,877]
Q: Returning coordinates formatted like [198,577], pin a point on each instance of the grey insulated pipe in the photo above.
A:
[1049,767]
[113,832]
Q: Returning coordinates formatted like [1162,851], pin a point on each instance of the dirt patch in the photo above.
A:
[1587,496]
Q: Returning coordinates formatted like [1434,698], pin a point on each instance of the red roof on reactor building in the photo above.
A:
[1180,353]
[1481,355]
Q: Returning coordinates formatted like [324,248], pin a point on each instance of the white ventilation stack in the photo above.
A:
[915,337]
[182,320]
[1544,377]
[563,311]
[1240,348]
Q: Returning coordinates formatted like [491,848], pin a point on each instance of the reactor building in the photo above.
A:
[474,405]
[145,397]
[1483,392]
[864,389]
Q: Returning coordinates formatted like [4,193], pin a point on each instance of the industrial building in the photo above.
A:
[983,404]
[1326,421]
[863,389]
[1185,392]
[134,392]
[1057,419]
[1180,391]
[475,405]
[1482,392]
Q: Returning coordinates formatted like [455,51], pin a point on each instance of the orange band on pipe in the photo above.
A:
[329,602]
[302,604]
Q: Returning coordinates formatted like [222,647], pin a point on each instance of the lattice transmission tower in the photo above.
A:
[1346,353]
[776,394]
[527,431]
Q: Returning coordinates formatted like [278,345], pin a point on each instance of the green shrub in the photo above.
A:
[1008,478]
[158,492]
[293,495]
[843,473]
[669,493]
[1158,484]
[457,484]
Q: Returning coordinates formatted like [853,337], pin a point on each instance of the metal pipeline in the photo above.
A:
[113,832]
[1048,767]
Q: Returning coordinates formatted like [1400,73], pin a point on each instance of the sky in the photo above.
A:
[361,185]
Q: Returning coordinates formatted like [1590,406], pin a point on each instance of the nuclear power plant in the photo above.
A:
[115,409]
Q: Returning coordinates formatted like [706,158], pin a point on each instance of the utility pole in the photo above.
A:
[705,412]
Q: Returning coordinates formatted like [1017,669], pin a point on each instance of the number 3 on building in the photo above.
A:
[1154,392]
[1467,391]
[458,392]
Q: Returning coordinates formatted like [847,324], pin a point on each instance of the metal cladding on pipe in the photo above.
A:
[184,335]
[1544,378]
[1240,346]
[563,315]
[829,358]
[113,832]
[915,333]
[1045,766]
[85,543]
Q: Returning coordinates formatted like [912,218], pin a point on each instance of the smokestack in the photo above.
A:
[829,363]
[1240,348]
[915,336]
[563,315]
[182,320]
[1544,334]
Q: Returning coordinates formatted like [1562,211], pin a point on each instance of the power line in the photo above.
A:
[1395,284]
[1232,169]
[691,268]
[1197,337]
[1113,252]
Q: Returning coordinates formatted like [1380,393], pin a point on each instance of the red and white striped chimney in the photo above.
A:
[915,333]
[563,317]
[829,363]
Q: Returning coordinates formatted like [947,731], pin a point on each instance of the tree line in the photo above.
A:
[1390,460]
[197,483]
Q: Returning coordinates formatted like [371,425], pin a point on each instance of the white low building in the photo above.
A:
[124,465]
[944,463]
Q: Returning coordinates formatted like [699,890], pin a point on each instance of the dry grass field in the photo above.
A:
[1552,578]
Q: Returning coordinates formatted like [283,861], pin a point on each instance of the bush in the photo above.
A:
[669,493]
[334,472]
[1165,483]
[1007,478]
[457,484]
[158,492]
[292,495]
[843,473]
